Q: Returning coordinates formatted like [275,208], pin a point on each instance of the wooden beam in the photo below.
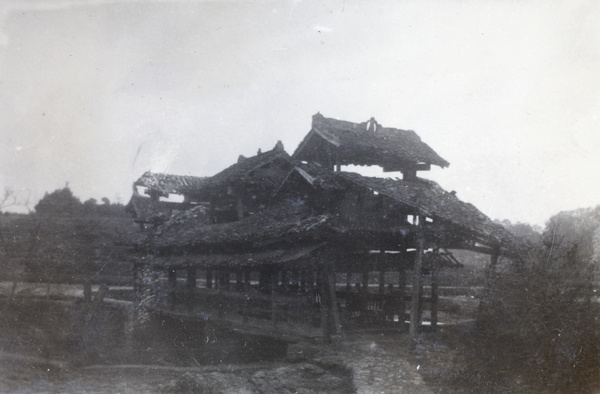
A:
[407,167]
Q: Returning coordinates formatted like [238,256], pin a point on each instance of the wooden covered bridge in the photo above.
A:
[293,247]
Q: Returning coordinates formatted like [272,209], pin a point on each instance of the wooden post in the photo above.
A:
[434,295]
[402,295]
[365,280]
[172,279]
[319,293]
[491,271]
[190,285]
[348,281]
[489,275]
[209,279]
[246,290]
[284,280]
[274,280]
[334,314]
[191,277]
[239,284]
[87,290]
[136,279]
[247,274]
[223,279]
[415,312]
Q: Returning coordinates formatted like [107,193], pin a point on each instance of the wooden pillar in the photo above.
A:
[284,281]
[191,277]
[491,271]
[172,279]
[136,279]
[224,279]
[365,280]
[402,280]
[434,295]
[490,274]
[264,280]
[415,312]
[87,290]
[190,285]
[274,280]
[348,281]
[302,280]
[247,274]
[321,279]
[209,279]
[334,315]
[246,289]
[239,282]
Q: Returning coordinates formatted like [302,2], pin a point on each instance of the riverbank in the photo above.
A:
[70,346]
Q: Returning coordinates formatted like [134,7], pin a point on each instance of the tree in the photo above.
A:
[19,247]
[60,201]
[539,319]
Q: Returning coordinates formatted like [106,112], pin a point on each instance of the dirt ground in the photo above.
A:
[367,363]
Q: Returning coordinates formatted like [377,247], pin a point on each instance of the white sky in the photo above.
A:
[96,92]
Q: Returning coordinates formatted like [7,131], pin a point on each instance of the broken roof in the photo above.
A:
[145,210]
[168,183]
[191,229]
[246,165]
[368,143]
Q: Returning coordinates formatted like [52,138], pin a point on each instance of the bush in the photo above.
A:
[538,320]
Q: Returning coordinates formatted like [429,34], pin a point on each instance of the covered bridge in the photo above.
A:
[293,247]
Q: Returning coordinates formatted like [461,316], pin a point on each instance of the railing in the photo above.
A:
[295,313]
[373,307]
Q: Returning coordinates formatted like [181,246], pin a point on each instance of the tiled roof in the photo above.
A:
[429,199]
[168,183]
[244,167]
[191,229]
[369,143]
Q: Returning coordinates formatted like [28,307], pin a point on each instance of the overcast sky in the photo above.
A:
[95,92]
